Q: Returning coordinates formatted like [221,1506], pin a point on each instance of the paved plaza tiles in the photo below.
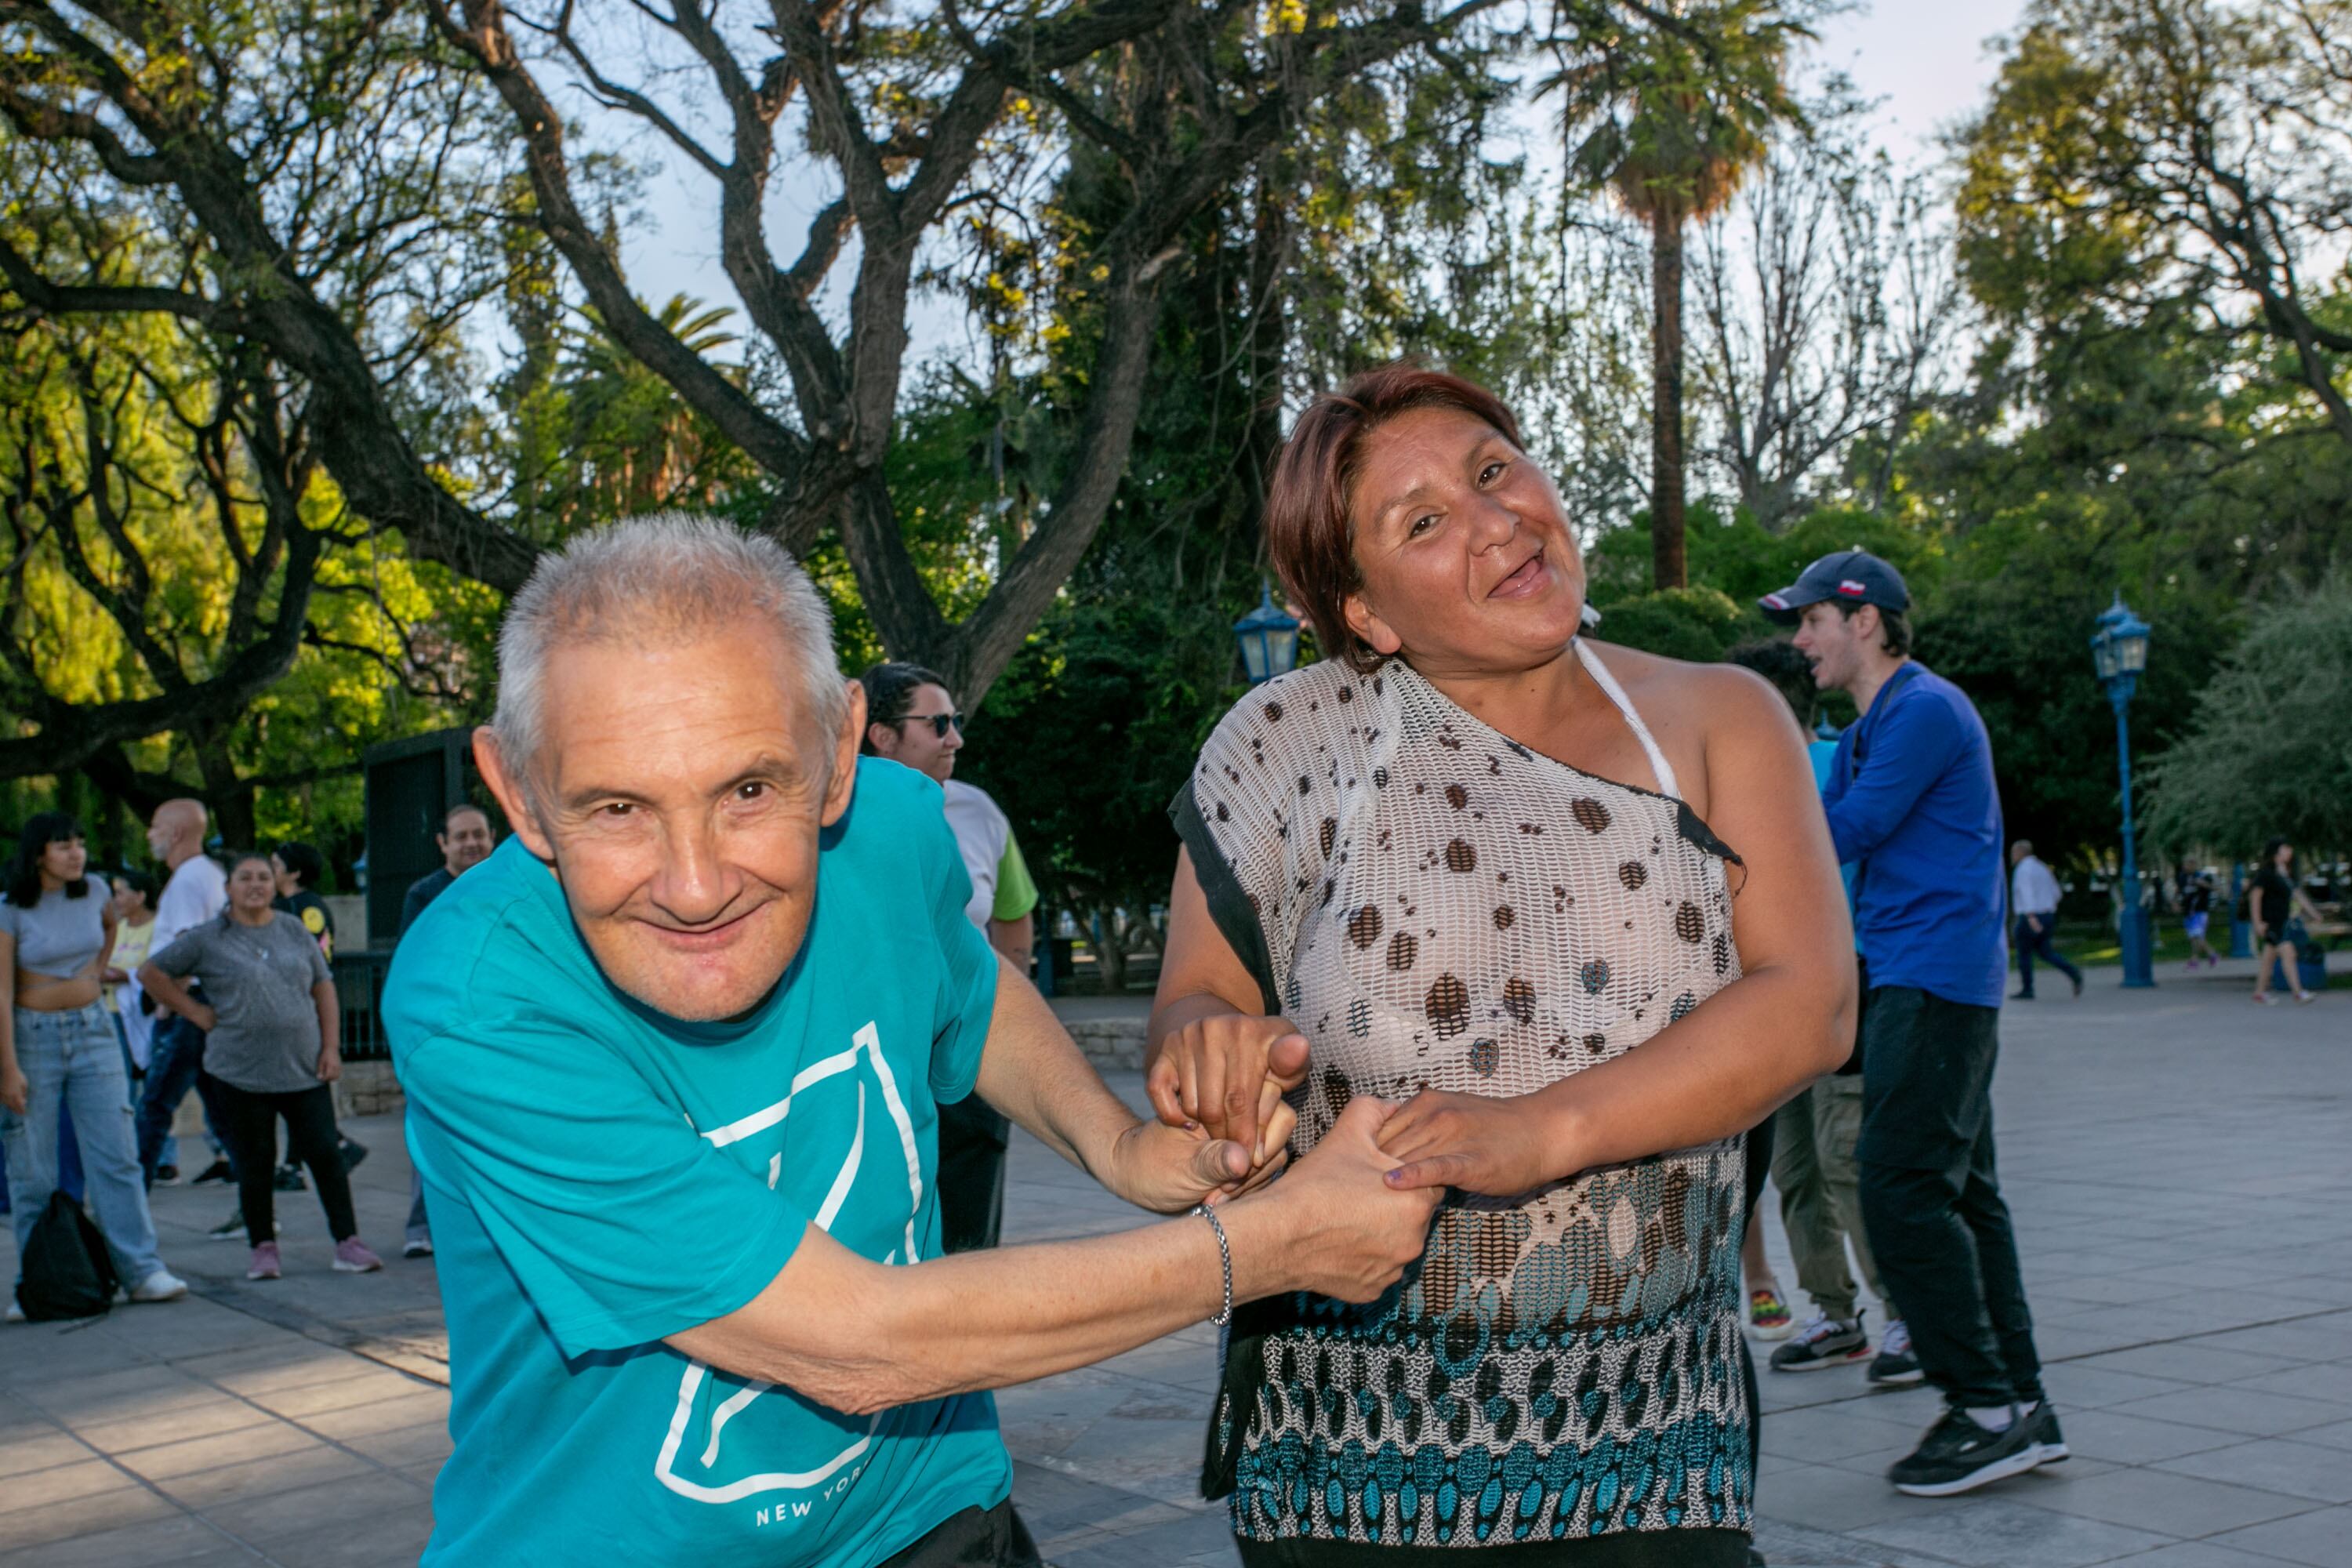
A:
[2179,1162]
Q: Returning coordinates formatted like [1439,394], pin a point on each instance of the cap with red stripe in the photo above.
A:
[1850,576]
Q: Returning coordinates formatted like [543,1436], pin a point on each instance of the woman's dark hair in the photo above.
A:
[306,864]
[141,882]
[1894,626]
[1308,530]
[890,692]
[1779,661]
[2270,855]
[237,858]
[42,829]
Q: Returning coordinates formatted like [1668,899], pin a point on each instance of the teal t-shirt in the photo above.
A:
[600,1177]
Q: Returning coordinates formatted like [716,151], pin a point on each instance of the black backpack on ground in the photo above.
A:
[67,1273]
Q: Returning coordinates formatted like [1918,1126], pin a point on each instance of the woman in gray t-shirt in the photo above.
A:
[58,1053]
[271,1026]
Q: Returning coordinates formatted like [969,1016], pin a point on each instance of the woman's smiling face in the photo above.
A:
[1466,556]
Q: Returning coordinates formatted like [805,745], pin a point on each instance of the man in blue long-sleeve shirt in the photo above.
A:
[1911,801]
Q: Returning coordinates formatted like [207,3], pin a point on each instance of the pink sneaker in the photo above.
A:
[352,1257]
[265,1262]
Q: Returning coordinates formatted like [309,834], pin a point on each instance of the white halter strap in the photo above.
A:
[1608,683]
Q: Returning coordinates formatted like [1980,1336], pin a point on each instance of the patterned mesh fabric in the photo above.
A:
[1437,905]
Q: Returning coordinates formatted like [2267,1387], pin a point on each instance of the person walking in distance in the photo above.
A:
[911,719]
[2273,902]
[2033,899]
[2196,915]
[61,1057]
[273,1047]
[1813,1138]
[194,891]
[1911,799]
[466,841]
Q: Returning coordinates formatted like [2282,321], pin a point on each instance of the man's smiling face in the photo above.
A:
[678,794]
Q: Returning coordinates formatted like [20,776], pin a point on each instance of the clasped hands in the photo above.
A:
[1225,1076]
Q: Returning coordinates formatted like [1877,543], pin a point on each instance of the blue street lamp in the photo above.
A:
[2119,649]
[1269,639]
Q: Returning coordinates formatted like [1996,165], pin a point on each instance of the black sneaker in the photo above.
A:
[1895,1366]
[1959,1455]
[1824,1342]
[352,1152]
[289,1179]
[2048,1442]
[167,1174]
[215,1172]
[231,1228]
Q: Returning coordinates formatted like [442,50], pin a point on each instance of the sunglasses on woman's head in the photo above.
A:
[937,721]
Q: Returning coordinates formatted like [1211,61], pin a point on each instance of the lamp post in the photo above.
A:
[2119,649]
[1269,639]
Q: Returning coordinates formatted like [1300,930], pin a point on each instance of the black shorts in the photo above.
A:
[976,1538]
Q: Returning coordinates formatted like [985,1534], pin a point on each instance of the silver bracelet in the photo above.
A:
[1224,1256]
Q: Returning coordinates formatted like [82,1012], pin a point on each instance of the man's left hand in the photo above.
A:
[1498,1147]
[1169,1168]
[330,1064]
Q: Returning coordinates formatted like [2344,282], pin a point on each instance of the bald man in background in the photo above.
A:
[195,892]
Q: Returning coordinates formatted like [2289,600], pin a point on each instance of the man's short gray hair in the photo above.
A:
[667,577]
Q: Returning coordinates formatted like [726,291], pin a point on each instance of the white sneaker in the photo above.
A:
[16,1314]
[161,1286]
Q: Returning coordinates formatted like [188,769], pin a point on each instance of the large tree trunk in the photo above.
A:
[1667,564]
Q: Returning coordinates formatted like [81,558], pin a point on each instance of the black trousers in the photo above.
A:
[249,1126]
[2032,944]
[1931,1196]
[972,1138]
[976,1538]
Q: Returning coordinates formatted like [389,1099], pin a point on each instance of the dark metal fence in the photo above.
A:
[359,988]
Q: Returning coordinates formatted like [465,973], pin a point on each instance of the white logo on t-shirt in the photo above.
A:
[867,1045]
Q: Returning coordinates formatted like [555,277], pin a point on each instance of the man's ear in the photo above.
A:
[506,781]
[1366,623]
[843,784]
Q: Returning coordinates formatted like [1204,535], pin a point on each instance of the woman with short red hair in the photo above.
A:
[1482,867]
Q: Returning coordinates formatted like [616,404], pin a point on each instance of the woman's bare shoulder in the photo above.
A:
[1710,697]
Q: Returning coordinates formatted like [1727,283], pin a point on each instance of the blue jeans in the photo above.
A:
[174,1064]
[2032,944]
[73,1061]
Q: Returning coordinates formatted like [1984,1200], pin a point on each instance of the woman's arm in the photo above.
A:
[1210,1060]
[14,1089]
[170,994]
[1722,1069]
[331,1031]
[96,968]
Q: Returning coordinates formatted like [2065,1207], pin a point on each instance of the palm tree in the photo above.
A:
[1670,104]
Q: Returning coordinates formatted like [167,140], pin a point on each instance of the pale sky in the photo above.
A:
[1926,59]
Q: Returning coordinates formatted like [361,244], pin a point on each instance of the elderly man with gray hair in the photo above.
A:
[674,1057]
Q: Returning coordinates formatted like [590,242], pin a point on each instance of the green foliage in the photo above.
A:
[1694,624]
[2268,748]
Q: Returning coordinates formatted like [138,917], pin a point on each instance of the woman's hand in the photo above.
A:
[1498,1147]
[330,1064]
[1214,1073]
[15,1093]
[1169,1168]
[1338,1232]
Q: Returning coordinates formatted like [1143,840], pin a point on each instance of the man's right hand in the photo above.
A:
[1341,1230]
[1214,1073]
[15,1093]
[202,1016]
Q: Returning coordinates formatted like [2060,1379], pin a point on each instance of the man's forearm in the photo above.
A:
[1034,1073]
[982,1319]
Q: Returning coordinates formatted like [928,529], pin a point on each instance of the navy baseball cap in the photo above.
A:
[1850,577]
